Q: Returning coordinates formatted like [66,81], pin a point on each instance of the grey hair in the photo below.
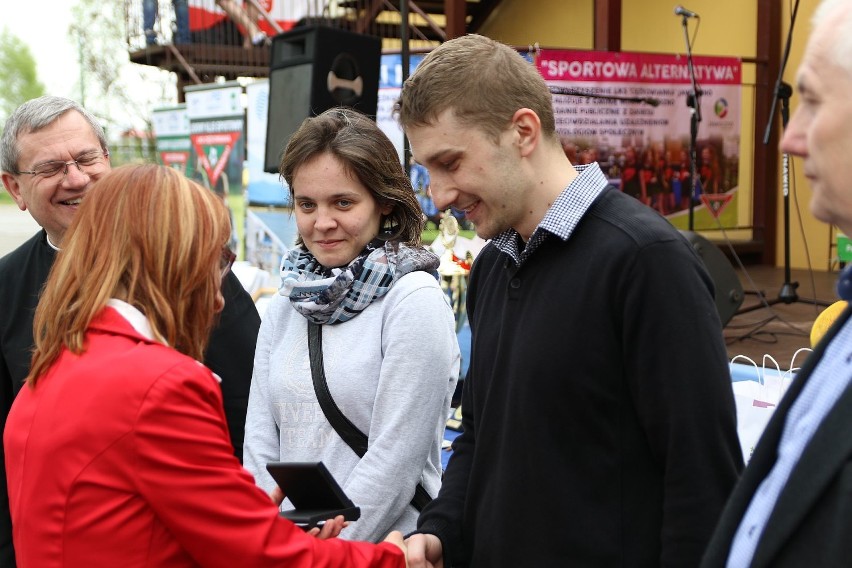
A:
[34,115]
[842,40]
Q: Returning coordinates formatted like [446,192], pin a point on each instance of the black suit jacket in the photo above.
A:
[811,524]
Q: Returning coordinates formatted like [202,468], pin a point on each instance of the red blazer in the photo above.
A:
[120,457]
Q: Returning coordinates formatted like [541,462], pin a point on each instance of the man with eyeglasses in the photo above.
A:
[51,151]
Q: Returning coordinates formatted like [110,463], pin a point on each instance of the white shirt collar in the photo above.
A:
[133,316]
[139,322]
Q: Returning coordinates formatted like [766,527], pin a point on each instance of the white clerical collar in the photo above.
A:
[53,246]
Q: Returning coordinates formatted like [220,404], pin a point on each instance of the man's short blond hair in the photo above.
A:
[483,81]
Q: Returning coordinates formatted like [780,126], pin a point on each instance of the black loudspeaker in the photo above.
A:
[729,290]
[313,69]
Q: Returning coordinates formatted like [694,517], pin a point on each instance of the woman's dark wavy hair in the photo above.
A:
[367,154]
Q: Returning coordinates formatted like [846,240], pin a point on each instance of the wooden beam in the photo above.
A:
[369,16]
[429,20]
[269,19]
[186,66]
[479,13]
[765,188]
[607,25]
[456,13]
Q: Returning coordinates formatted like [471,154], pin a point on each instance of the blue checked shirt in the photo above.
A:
[562,217]
[828,381]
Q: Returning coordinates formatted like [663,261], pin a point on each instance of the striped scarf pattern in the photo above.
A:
[336,295]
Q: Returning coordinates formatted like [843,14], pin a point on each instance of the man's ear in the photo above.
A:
[527,127]
[14,189]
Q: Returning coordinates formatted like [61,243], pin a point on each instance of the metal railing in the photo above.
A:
[229,44]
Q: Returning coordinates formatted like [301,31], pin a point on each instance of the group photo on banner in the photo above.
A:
[630,113]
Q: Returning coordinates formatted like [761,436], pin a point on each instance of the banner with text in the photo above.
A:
[216,124]
[631,112]
[390,85]
[262,188]
[171,130]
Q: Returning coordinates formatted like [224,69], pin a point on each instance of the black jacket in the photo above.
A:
[599,421]
[812,519]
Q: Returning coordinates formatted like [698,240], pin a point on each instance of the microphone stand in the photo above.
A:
[782,93]
[787,294]
[693,101]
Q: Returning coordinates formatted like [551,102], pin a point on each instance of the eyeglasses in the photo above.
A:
[89,163]
[226,260]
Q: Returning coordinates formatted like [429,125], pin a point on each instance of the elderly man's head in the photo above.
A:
[51,151]
[820,131]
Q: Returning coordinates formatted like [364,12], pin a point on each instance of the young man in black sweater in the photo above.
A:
[599,421]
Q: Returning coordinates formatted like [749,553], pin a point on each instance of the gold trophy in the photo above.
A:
[448,231]
[453,275]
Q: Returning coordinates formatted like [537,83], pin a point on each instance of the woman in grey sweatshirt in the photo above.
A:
[391,356]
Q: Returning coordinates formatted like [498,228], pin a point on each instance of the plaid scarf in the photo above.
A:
[335,295]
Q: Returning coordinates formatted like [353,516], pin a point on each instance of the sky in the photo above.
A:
[43,26]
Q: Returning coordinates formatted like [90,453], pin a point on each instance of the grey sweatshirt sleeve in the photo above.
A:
[419,369]
[261,434]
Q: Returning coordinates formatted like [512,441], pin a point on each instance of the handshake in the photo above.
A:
[420,550]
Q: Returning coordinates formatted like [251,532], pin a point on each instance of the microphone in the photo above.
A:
[825,320]
[681,11]
[652,102]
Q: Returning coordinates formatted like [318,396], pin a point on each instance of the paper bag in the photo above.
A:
[757,394]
